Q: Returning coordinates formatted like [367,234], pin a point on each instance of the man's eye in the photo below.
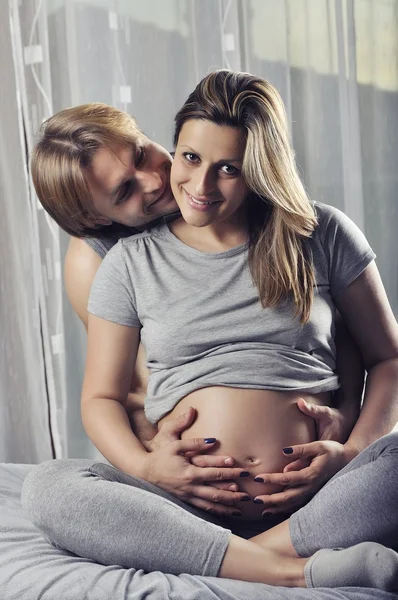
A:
[139,156]
[125,192]
[191,157]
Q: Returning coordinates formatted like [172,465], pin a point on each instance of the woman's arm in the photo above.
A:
[366,310]
[111,353]
[80,267]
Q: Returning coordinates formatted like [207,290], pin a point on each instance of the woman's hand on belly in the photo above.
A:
[312,464]
[324,459]
[169,467]
[252,426]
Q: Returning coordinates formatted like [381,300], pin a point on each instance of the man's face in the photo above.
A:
[131,185]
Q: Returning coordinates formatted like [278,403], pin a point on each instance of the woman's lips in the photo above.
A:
[200,205]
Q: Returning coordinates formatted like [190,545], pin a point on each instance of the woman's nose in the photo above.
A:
[204,184]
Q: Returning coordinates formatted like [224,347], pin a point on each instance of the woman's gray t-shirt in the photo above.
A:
[202,323]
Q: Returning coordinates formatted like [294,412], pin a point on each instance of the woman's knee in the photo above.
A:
[387,443]
[44,484]
[109,473]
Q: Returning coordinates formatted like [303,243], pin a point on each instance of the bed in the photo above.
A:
[32,569]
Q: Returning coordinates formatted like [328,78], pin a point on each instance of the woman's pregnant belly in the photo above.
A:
[252,426]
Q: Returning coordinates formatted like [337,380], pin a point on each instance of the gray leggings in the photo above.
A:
[100,513]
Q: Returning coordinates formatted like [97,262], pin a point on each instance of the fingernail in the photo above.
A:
[244,474]
[210,440]
[245,499]
[233,488]
[287,450]
[229,461]
[259,479]
[266,515]
[236,514]
[258,501]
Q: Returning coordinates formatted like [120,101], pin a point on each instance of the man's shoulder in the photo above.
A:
[103,244]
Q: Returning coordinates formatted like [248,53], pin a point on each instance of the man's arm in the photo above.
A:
[351,371]
[80,267]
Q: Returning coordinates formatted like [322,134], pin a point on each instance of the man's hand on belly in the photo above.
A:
[183,468]
[331,423]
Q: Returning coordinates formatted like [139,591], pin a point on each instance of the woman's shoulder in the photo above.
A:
[334,223]
[326,213]
[143,238]
[128,250]
[340,248]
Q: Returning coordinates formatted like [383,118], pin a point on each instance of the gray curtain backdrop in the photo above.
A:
[335,63]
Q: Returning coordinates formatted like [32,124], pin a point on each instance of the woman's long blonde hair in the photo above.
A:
[68,141]
[281,216]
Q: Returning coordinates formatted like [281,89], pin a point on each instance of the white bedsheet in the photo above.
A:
[32,569]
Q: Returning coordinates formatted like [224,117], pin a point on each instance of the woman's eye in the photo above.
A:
[191,157]
[229,170]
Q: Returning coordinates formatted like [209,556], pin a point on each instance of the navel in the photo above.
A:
[252,460]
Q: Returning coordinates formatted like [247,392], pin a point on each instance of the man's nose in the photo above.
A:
[151,181]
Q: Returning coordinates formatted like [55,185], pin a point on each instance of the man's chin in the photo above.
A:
[155,218]
[164,209]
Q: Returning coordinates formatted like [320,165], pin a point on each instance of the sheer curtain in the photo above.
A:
[335,64]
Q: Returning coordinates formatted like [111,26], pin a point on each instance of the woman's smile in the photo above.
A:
[200,204]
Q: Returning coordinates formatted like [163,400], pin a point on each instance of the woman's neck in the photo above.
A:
[211,238]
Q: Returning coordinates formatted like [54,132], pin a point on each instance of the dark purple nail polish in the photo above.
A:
[266,515]
[258,501]
[259,479]
[236,514]
[287,450]
[210,440]
[245,499]
[244,474]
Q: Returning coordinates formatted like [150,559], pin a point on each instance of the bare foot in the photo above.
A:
[248,561]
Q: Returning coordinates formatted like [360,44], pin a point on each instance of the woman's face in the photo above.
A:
[206,174]
[131,185]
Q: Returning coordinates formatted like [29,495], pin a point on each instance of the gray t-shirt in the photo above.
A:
[101,245]
[202,323]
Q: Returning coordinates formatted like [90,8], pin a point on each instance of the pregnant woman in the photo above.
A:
[234,303]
